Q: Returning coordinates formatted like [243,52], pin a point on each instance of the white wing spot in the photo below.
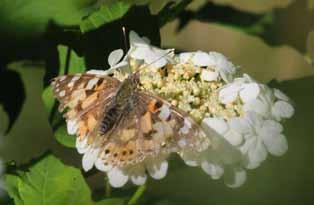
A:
[75,78]
[62,93]
[62,78]
[71,84]
[164,112]
[91,83]
[187,126]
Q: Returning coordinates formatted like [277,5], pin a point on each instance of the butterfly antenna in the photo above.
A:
[125,39]
[170,51]
[126,47]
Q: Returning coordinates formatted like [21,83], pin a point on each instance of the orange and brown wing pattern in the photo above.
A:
[85,96]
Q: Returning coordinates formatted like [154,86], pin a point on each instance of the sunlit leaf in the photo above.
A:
[47,182]
[107,12]
[32,17]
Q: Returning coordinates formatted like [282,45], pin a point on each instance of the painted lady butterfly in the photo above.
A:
[123,122]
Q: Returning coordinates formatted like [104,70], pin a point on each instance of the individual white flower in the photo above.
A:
[271,103]
[230,129]
[218,64]
[153,56]
[261,137]
[243,87]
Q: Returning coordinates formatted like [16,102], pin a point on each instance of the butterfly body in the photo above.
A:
[122,103]
[124,124]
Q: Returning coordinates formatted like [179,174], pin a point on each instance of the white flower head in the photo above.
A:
[240,117]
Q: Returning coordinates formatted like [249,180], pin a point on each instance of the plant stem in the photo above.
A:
[138,193]
[108,188]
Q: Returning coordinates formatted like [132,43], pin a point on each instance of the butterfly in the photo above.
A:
[121,122]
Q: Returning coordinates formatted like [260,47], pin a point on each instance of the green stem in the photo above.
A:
[108,188]
[138,193]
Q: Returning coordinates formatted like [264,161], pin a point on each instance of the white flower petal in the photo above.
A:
[239,125]
[276,145]
[138,175]
[218,124]
[72,127]
[208,75]
[81,145]
[185,57]
[135,39]
[271,127]
[212,169]
[190,158]
[256,154]
[117,177]
[235,177]
[157,168]
[99,164]
[200,59]
[257,106]
[280,95]
[283,109]
[229,93]
[114,57]
[221,64]
[89,159]
[249,91]
[234,138]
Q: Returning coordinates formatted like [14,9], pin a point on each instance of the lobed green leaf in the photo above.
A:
[47,182]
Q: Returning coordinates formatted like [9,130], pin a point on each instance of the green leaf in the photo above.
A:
[108,12]
[32,17]
[12,184]
[64,138]
[47,182]
[70,62]
[111,201]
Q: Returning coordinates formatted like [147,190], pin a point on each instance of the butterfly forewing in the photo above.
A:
[85,96]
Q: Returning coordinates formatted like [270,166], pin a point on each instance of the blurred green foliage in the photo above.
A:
[42,39]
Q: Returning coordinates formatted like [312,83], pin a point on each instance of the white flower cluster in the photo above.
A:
[241,116]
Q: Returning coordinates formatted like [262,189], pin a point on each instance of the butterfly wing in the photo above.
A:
[153,127]
[86,97]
